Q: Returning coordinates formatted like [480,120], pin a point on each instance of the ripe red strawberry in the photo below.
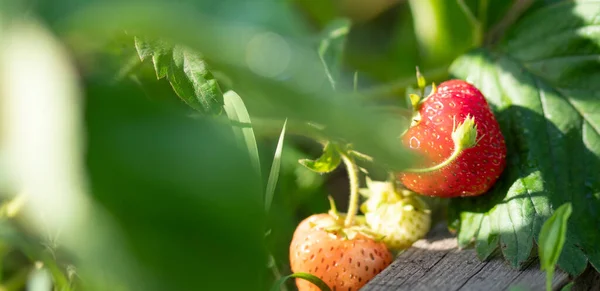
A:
[343,260]
[475,169]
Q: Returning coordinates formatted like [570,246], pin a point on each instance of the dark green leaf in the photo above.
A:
[305,276]
[327,162]
[275,166]
[568,287]
[542,82]
[552,239]
[186,71]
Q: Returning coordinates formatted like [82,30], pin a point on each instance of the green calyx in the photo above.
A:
[387,192]
[464,137]
[416,100]
[338,227]
[378,193]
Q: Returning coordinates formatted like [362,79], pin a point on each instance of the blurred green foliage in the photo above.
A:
[172,199]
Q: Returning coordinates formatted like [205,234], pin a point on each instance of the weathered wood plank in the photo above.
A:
[436,263]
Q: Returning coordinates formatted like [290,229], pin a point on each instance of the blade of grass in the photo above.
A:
[276,274]
[275,166]
[331,49]
[238,115]
[476,23]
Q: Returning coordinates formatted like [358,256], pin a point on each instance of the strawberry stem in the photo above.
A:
[464,137]
[333,209]
[352,170]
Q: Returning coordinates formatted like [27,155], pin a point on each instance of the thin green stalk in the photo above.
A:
[482,14]
[549,276]
[496,32]
[457,151]
[276,273]
[352,170]
[464,137]
[477,27]
[401,84]
[327,72]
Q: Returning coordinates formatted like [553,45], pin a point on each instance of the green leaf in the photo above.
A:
[242,126]
[296,87]
[178,189]
[552,239]
[275,166]
[542,82]
[186,71]
[306,276]
[568,287]
[327,162]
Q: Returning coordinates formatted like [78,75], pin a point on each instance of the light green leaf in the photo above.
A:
[186,71]
[327,162]
[542,82]
[306,276]
[552,239]
[242,126]
[275,166]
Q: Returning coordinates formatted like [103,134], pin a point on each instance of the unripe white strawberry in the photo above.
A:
[401,218]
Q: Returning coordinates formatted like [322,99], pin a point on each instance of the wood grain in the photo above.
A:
[436,263]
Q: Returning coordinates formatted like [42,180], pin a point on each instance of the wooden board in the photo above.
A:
[436,263]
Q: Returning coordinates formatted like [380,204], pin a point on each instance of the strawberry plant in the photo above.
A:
[543,95]
[204,145]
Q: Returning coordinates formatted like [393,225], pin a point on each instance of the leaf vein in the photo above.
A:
[583,115]
[514,232]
